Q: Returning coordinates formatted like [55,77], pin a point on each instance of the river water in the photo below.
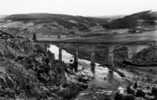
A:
[101,72]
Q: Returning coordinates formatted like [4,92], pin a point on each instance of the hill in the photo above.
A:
[67,21]
[45,24]
[51,24]
[145,18]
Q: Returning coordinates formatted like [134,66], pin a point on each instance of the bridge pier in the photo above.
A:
[92,56]
[60,54]
[92,59]
[130,52]
[34,38]
[76,57]
[110,55]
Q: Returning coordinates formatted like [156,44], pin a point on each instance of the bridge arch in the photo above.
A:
[120,54]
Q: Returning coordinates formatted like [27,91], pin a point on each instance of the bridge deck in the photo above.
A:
[83,42]
[147,38]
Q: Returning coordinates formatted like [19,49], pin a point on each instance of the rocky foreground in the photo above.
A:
[29,71]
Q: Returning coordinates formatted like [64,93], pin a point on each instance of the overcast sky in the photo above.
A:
[77,7]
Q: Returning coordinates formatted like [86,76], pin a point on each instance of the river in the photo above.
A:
[101,72]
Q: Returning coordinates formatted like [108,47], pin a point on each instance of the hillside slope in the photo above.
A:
[145,18]
[55,24]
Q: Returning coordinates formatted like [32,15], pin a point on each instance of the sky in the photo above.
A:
[77,7]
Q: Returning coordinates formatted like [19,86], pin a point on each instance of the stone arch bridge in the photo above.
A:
[132,47]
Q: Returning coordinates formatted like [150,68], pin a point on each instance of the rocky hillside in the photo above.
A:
[28,70]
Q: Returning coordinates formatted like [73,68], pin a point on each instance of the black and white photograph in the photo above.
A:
[78,49]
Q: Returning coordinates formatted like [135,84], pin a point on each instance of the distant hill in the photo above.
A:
[54,24]
[67,21]
[145,18]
